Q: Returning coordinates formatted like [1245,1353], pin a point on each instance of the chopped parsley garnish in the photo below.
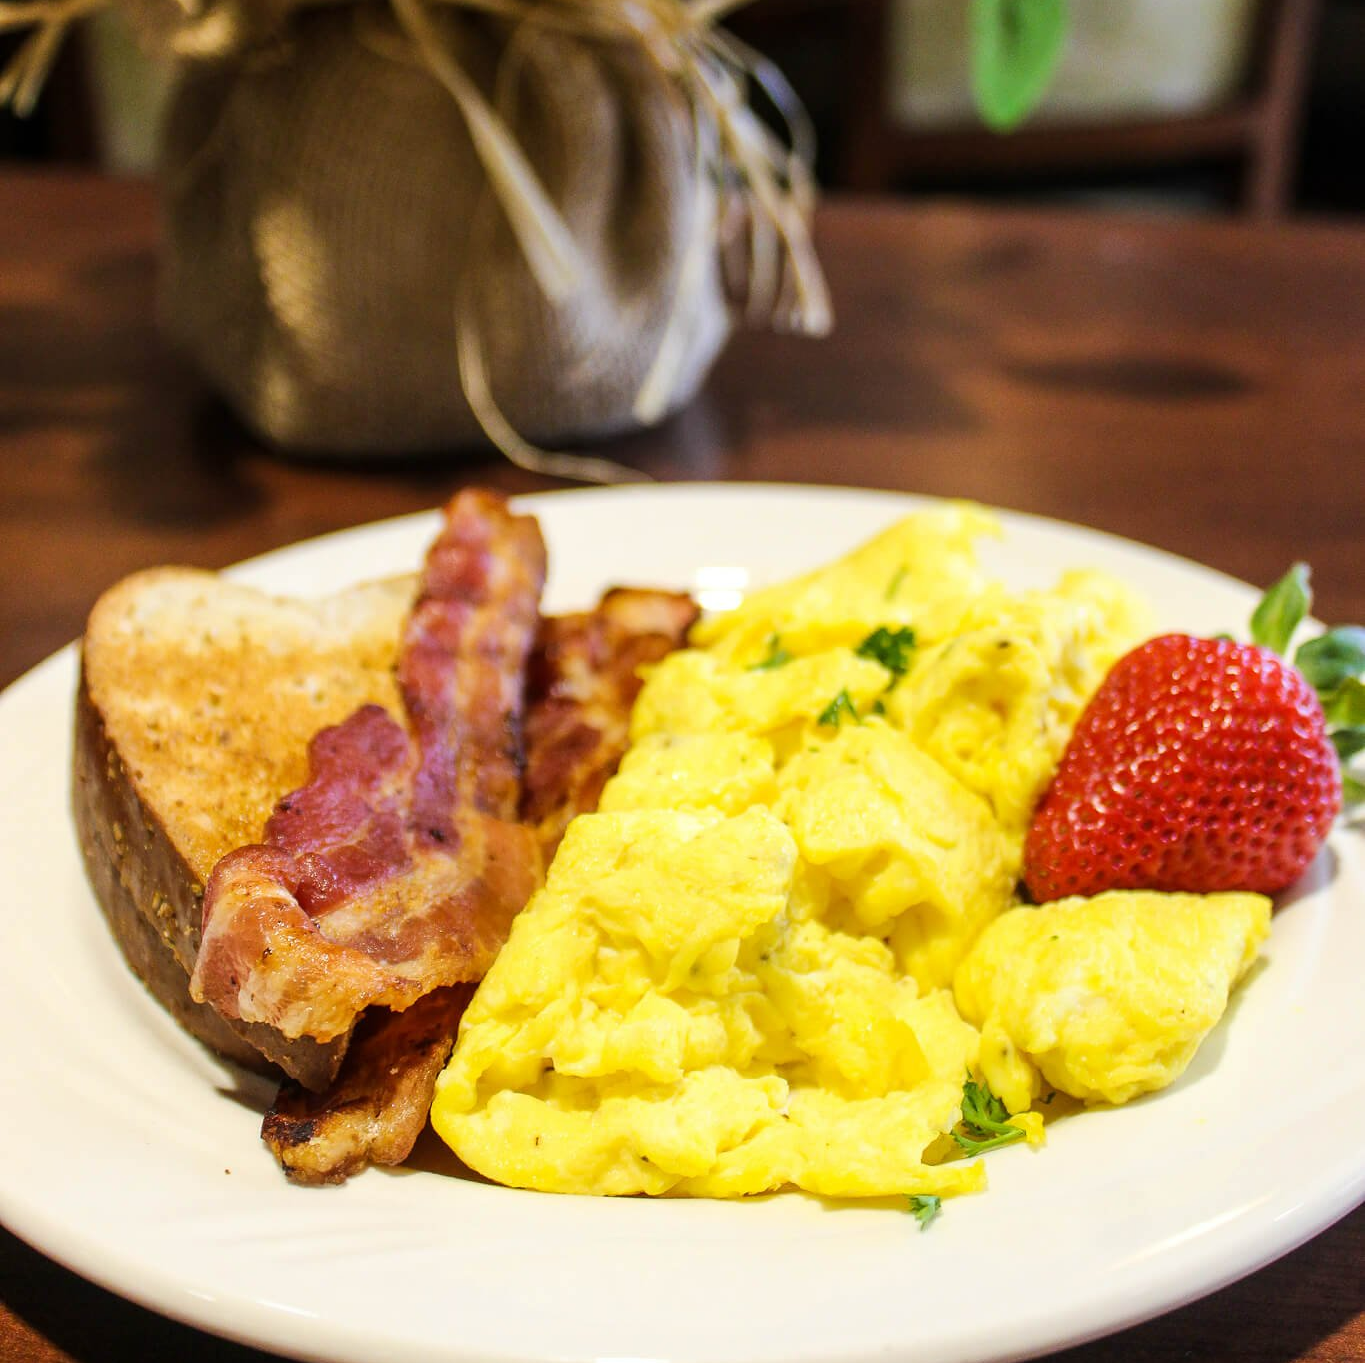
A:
[776,656]
[985,1121]
[924,1208]
[890,647]
[841,705]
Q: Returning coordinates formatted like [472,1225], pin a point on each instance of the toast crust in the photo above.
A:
[153,904]
[196,701]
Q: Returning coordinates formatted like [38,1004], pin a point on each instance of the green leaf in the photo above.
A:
[1274,621]
[1329,659]
[1348,742]
[890,647]
[1345,707]
[985,1121]
[776,656]
[841,705]
[1352,791]
[973,1145]
[924,1207]
[1016,47]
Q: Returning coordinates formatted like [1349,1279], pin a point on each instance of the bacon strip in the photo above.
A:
[582,680]
[377,1107]
[398,867]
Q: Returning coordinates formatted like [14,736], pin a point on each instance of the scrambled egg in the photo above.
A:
[1108,997]
[790,933]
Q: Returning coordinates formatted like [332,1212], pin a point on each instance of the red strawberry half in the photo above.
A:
[1199,765]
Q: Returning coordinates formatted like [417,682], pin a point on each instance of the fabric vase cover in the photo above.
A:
[330,229]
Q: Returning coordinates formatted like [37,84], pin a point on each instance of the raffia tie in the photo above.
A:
[767,178]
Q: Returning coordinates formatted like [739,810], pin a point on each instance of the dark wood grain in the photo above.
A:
[1196,385]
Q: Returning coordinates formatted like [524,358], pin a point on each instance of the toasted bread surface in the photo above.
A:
[197,700]
[209,692]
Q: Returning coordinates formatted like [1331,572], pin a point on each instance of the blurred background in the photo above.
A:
[1248,106]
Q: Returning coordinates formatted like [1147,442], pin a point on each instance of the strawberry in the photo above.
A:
[1203,764]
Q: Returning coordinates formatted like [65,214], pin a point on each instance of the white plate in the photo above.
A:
[131,1156]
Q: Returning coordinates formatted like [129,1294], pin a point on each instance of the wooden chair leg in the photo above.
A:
[1268,180]
[866,157]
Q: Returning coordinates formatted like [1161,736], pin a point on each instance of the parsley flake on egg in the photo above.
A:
[834,712]
[985,1121]
[776,656]
[892,648]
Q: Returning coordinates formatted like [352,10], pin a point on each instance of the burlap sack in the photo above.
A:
[395,225]
[328,218]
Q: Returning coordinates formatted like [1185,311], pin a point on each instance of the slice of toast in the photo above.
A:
[197,700]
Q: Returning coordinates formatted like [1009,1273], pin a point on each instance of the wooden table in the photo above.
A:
[1197,385]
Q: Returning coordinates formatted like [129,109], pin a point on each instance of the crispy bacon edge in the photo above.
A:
[377,1106]
[584,677]
[383,819]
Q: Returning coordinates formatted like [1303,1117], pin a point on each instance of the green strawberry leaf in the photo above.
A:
[1348,742]
[1016,46]
[1345,707]
[1352,791]
[1331,658]
[1282,609]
